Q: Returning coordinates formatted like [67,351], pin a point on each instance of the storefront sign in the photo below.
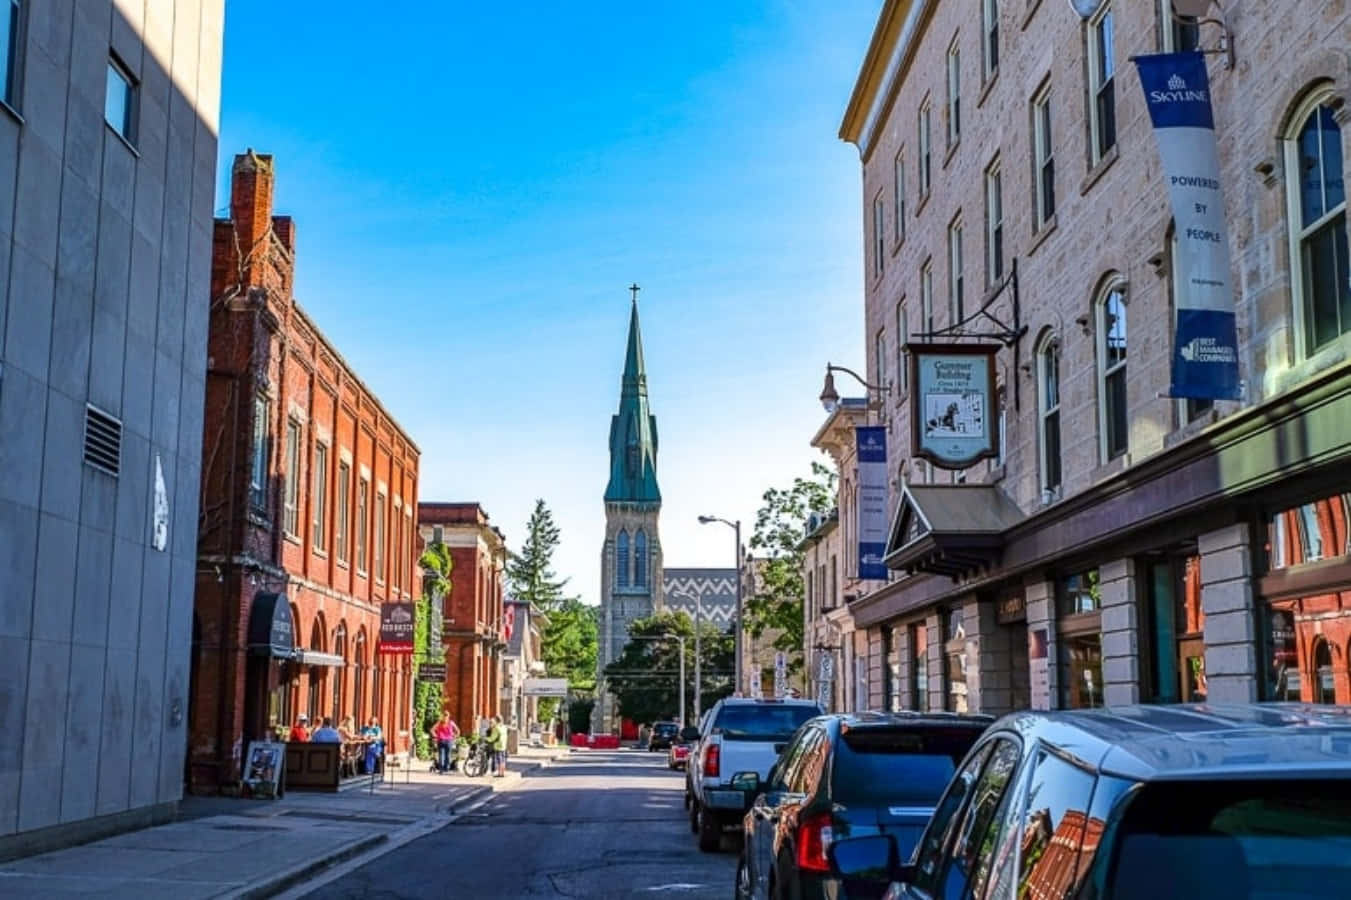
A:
[431,673]
[265,768]
[271,631]
[1205,340]
[396,628]
[872,501]
[1011,608]
[954,411]
[545,687]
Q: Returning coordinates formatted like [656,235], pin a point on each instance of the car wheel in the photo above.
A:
[710,833]
[744,889]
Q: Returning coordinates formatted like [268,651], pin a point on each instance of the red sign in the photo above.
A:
[396,628]
[508,621]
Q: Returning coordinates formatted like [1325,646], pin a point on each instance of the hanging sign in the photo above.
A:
[780,675]
[954,410]
[757,688]
[872,501]
[396,628]
[1205,339]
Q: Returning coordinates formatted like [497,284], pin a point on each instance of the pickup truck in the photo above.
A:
[737,735]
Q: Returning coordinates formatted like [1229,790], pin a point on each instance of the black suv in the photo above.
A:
[847,776]
[663,733]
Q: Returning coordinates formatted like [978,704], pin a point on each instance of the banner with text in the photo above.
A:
[1205,340]
[396,628]
[872,501]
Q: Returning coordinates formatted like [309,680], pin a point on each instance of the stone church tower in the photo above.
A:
[631,570]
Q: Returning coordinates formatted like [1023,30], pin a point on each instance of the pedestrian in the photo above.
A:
[375,747]
[300,731]
[497,742]
[444,733]
[326,733]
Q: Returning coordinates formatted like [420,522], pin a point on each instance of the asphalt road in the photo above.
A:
[596,825]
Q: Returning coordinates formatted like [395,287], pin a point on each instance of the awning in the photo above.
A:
[315,658]
[950,529]
[271,631]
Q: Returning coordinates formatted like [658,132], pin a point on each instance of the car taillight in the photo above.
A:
[712,760]
[813,837]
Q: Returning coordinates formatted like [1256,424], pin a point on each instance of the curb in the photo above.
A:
[280,882]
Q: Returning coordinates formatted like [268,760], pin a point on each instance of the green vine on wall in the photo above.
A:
[428,697]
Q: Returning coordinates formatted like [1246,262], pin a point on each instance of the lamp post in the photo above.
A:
[830,398]
[736,636]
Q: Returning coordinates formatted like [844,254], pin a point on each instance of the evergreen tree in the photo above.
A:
[530,574]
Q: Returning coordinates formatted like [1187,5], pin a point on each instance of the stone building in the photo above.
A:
[1125,545]
[522,659]
[108,122]
[473,632]
[306,527]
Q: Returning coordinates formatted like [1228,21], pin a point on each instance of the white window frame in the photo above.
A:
[956,278]
[1049,348]
[1101,83]
[381,533]
[898,173]
[320,502]
[1043,159]
[1115,288]
[902,338]
[994,223]
[989,38]
[879,234]
[925,150]
[1298,233]
[880,355]
[1169,29]
[291,506]
[258,469]
[121,81]
[342,525]
[363,523]
[954,80]
[926,295]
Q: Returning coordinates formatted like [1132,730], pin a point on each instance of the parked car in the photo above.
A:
[678,755]
[1207,802]
[846,776]
[663,733]
[739,735]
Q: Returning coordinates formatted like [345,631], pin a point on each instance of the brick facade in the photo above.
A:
[1181,517]
[473,632]
[271,518]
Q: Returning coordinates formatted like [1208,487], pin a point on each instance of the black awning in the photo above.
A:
[950,529]
[271,631]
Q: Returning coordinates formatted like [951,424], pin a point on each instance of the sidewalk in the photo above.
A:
[227,847]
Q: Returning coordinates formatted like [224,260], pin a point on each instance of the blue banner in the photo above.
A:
[1205,339]
[872,501]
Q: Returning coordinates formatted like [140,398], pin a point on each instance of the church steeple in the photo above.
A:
[633,430]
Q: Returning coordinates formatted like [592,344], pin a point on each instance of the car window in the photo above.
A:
[897,766]
[783,768]
[806,775]
[1059,836]
[971,854]
[756,722]
[1221,839]
[929,855]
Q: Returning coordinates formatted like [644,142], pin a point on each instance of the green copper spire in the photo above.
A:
[633,430]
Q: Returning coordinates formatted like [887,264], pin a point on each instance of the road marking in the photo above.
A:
[677,886]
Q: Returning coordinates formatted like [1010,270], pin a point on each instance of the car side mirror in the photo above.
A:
[749,782]
[689,733]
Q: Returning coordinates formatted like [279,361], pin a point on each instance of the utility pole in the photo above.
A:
[738,650]
[698,659]
[681,638]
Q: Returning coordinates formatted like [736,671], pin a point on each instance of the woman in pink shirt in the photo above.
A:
[444,733]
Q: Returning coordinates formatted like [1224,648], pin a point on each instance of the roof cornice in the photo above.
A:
[895,39]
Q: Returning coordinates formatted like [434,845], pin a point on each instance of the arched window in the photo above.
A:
[640,558]
[622,559]
[1113,422]
[1316,197]
[340,649]
[316,673]
[1048,411]
[359,677]
[1324,688]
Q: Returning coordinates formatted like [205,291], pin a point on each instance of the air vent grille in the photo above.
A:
[102,441]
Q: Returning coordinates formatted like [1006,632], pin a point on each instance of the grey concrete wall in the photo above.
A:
[105,249]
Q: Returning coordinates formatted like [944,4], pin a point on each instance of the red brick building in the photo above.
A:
[473,634]
[308,492]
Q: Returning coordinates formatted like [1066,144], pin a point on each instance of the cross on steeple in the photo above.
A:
[635,289]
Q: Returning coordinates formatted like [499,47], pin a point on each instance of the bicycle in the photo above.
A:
[480,755]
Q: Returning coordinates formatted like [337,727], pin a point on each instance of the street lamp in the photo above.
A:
[830,398]
[736,635]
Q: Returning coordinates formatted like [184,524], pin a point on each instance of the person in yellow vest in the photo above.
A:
[497,742]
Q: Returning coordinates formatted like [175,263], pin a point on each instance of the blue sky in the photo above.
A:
[475,187]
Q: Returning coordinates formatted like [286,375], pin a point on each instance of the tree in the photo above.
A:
[780,526]
[530,573]
[645,677]
[428,697]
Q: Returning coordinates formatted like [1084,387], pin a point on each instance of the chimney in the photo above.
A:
[251,198]
[284,227]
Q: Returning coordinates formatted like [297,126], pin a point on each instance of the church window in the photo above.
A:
[640,559]
[622,559]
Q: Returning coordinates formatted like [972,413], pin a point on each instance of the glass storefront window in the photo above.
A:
[1176,640]
[919,666]
[954,653]
[894,670]
[1079,604]
[1083,671]
[1080,594]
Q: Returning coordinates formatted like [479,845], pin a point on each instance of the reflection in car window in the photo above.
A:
[783,773]
[973,851]
[762,723]
[807,771]
[1060,836]
[945,818]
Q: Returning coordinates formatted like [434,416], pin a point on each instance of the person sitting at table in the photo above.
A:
[326,733]
[300,731]
[348,730]
[375,749]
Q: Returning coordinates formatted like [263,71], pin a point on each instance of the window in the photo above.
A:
[396,574]
[340,526]
[890,702]
[339,673]
[640,559]
[956,308]
[994,224]
[924,169]
[1043,160]
[954,95]
[1048,412]
[359,679]
[1191,408]
[119,104]
[291,517]
[1101,83]
[972,854]
[1175,649]
[258,469]
[954,655]
[1058,829]
[879,242]
[1181,34]
[9,47]
[622,560]
[898,174]
[880,356]
[380,503]
[320,497]
[1079,603]
[919,666]
[989,15]
[926,296]
[902,338]
[363,519]
[1316,192]
[1111,333]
